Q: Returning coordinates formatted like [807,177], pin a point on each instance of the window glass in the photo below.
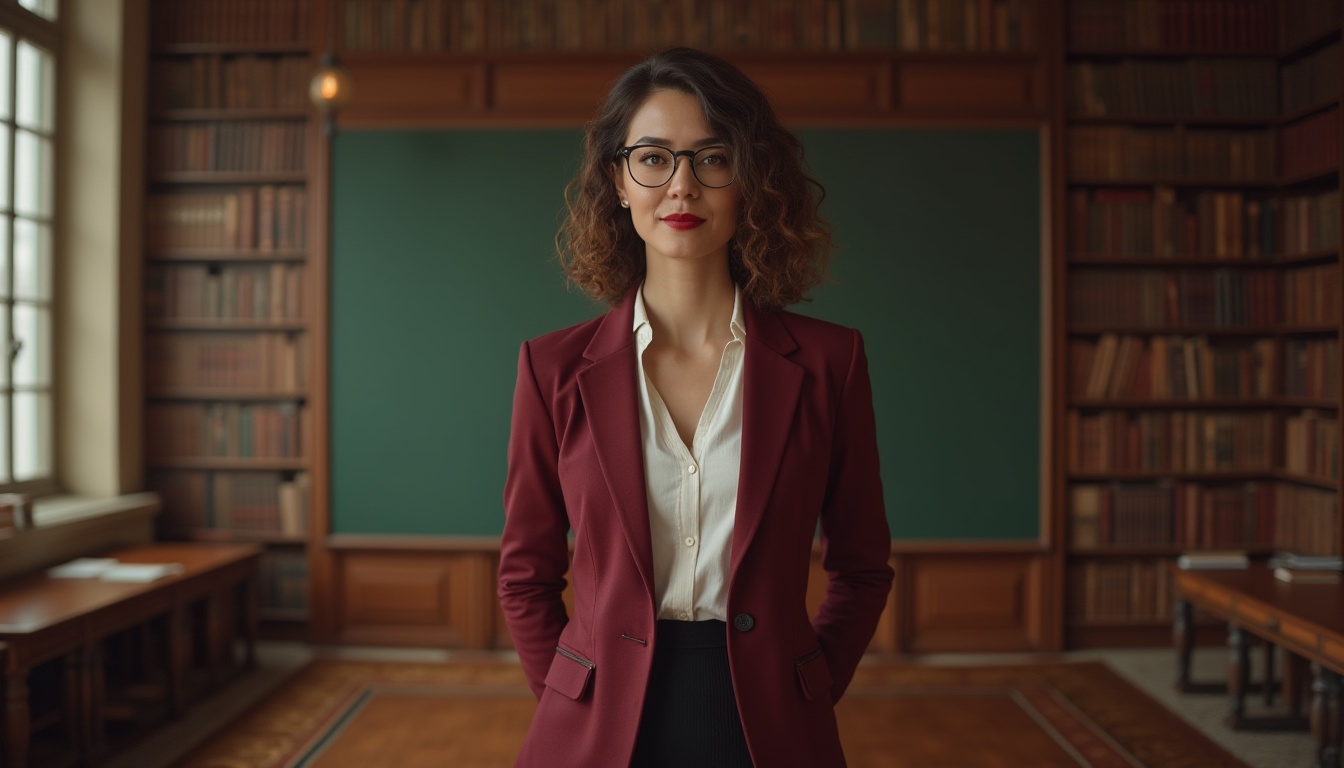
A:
[32,435]
[32,334]
[33,175]
[32,260]
[35,105]
[44,8]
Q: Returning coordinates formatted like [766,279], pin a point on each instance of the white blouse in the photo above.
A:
[692,491]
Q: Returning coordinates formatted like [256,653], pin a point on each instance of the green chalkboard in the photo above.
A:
[442,264]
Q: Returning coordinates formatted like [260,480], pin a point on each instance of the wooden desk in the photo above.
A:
[43,619]
[1306,620]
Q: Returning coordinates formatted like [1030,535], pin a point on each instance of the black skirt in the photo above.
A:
[690,712]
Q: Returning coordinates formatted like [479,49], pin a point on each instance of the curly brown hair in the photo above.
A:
[782,245]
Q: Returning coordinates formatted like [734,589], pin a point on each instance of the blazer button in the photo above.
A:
[743,622]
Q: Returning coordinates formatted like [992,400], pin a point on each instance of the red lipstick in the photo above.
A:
[683,221]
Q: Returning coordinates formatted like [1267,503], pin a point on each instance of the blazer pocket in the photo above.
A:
[814,676]
[569,674]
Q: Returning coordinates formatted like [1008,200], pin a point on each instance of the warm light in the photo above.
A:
[330,87]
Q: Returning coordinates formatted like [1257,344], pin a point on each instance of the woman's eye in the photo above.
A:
[715,159]
[652,158]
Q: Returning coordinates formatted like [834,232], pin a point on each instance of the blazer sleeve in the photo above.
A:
[534,549]
[855,539]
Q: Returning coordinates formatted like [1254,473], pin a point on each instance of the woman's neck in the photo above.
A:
[689,305]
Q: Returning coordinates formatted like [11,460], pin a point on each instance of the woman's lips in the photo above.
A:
[683,221]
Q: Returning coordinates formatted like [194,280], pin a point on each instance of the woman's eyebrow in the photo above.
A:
[666,142]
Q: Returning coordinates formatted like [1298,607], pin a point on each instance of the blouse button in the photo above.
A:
[691,469]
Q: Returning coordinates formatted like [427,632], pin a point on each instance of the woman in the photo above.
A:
[692,439]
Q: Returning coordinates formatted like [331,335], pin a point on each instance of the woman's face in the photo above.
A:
[682,219]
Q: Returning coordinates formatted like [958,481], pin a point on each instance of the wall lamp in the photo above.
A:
[329,90]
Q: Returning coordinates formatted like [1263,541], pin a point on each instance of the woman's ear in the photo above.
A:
[618,179]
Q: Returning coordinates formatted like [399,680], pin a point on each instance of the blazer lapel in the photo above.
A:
[771,386]
[610,393]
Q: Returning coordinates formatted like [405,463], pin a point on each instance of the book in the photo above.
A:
[109,569]
[82,568]
[1212,560]
[138,572]
[1297,562]
[1299,576]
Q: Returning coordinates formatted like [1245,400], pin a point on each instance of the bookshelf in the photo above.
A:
[228,285]
[1201,338]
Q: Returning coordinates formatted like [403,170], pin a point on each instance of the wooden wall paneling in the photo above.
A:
[499,90]
[973,603]
[410,92]
[422,596]
[425,599]
[981,88]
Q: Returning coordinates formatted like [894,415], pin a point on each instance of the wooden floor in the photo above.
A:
[990,725]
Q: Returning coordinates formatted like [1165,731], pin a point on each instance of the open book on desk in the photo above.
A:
[109,569]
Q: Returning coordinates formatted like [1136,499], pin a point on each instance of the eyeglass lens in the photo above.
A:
[653,166]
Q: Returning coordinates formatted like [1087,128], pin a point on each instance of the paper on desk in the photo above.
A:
[140,571]
[109,569]
[82,568]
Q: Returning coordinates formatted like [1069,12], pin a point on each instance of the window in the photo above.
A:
[28,64]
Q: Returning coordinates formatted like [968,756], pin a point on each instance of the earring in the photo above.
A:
[625,203]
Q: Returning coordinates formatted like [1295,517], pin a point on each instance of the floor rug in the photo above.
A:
[367,714]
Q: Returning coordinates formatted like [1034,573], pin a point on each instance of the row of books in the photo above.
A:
[1231,88]
[231,21]
[1309,19]
[1311,294]
[214,81]
[1130,367]
[1311,368]
[235,292]
[247,501]
[1222,25]
[1311,444]
[1167,514]
[266,361]
[1312,79]
[781,25]
[1172,441]
[1189,299]
[1311,146]
[1307,522]
[1120,590]
[244,146]
[282,581]
[1226,225]
[254,218]
[226,430]
[1121,152]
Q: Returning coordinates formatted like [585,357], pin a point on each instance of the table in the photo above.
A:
[1306,620]
[42,618]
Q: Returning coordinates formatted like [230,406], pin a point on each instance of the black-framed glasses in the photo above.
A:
[653,166]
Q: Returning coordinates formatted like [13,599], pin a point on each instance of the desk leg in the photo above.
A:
[1326,714]
[97,697]
[247,596]
[179,652]
[1183,638]
[1238,674]
[1294,674]
[76,702]
[218,635]
[1270,648]
[17,717]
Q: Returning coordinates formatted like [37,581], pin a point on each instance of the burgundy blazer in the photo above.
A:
[809,455]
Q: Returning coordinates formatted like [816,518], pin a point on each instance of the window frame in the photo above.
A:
[43,33]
